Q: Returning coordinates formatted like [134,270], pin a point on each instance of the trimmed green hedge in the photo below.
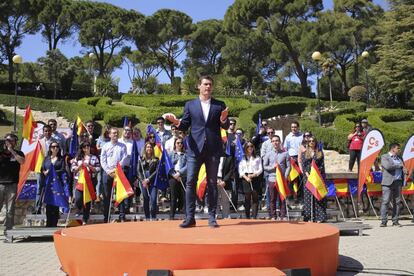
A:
[116,117]
[7,118]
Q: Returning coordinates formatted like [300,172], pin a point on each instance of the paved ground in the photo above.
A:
[381,251]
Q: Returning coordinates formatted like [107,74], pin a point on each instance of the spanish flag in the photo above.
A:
[373,189]
[33,163]
[85,184]
[122,186]
[80,125]
[408,189]
[201,182]
[341,187]
[315,183]
[281,184]
[294,170]
[223,134]
[29,125]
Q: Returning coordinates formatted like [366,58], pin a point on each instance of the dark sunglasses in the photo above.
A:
[179,143]
[271,132]
[312,141]
[54,147]
[86,146]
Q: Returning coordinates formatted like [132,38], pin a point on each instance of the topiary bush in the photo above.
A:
[358,94]
[115,117]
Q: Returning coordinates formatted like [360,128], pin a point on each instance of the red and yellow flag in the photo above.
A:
[201,182]
[122,186]
[80,125]
[223,134]
[29,125]
[315,183]
[409,189]
[341,187]
[33,162]
[85,184]
[294,170]
[281,184]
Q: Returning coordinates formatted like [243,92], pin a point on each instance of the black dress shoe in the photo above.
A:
[383,224]
[213,224]
[188,224]
[396,224]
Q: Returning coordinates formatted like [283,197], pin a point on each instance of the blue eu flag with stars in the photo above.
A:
[164,167]
[239,152]
[54,192]
[133,163]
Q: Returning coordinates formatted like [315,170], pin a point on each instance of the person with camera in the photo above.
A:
[10,161]
[355,142]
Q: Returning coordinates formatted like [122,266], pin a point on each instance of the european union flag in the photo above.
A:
[133,162]
[54,192]
[29,190]
[164,167]
[331,188]
[259,124]
[239,152]
[377,177]
[125,121]
[74,141]
[228,147]
[353,186]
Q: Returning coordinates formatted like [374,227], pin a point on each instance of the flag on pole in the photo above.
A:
[133,162]
[341,187]
[259,124]
[373,143]
[408,189]
[201,182]
[125,123]
[54,193]
[122,186]
[239,152]
[80,126]
[29,125]
[164,167]
[223,134]
[294,170]
[315,183]
[281,184]
[85,184]
[74,141]
[408,157]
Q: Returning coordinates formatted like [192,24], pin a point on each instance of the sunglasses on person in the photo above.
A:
[151,137]
[270,132]
[86,146]
[312,141]
[54,147]
[89,126]
[179,143]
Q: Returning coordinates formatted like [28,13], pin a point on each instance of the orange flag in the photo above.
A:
[29,125]
[85,184]
[122,186]
[33,163]
[315,183]
[201,182]
[281,184]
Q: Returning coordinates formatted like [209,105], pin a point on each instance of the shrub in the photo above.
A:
[104,101]
[90,100]
[116,117]
[358,94]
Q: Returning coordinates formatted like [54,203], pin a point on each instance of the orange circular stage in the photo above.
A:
[135,247]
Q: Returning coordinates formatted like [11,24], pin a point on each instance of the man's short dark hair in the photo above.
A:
[11,136]
[205,77]
[295,122]
[160,118]
[276,136]
[47,126]
[51,121]
[393,145]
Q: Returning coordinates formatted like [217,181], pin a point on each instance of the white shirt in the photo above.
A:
[129,145]
[251,165]
[205,106]
[169,145]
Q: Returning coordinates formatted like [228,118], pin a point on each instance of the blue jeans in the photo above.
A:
[193,167]
[150,200]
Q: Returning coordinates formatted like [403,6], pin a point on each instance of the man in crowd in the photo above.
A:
[169,144]
[10,161]
[57,136]
[365,126]
[161,131]
[112,153]
[393,174]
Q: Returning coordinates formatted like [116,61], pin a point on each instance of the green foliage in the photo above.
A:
[7,118]
[115,117]
[358,94]
[96,101]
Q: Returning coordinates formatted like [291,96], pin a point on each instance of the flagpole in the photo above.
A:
[340,208]
[311,207]
[67,217]
[406,205]
[182,184]
[372,206]
[110,203]
[287,209]
[353,205]
[231,202]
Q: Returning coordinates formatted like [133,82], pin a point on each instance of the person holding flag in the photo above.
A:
[147,170]
[250,169]
[277,188]
[112,153]
[313,164]
[54,158]
[205,115]
[85,163]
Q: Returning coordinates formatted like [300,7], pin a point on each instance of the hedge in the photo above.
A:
[248,118]
[96,101]
[116,117]
[7,118]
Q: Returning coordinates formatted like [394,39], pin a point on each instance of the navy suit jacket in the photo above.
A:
[203,133]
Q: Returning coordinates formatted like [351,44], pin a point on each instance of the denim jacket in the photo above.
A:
[183,162]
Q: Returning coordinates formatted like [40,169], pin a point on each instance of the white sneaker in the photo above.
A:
[205,210]
[241,208]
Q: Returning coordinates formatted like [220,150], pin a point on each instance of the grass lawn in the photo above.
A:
[403,124]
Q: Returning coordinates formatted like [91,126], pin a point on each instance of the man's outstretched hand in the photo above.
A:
[171,117]
[224,114]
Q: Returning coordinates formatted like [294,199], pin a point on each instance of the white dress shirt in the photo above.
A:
[205,106]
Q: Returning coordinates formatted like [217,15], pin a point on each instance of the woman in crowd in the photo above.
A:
[313,208]
[54,157]
[147,169]
[306,136]
[177,177]
[250,168]
[355,142]
[100,142]
[91,162]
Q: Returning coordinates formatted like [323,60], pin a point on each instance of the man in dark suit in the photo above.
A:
[205,115]
[393,171]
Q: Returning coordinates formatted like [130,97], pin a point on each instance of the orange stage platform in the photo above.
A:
[135,247]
